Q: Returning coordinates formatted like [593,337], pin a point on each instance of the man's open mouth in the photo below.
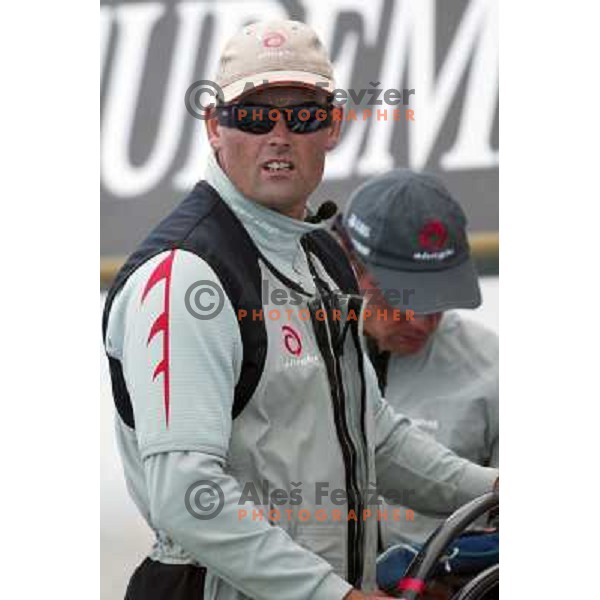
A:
[278,166]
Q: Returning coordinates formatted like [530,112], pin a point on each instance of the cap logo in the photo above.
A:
[433,236]
[361,248]
[360,226]
[273,40]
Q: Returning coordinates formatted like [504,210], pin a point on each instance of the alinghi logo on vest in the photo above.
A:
[292,340]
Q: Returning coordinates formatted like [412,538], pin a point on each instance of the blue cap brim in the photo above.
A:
[432,291]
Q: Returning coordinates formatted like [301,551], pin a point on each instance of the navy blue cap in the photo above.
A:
[411,235]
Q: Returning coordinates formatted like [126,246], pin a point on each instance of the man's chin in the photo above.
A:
[402,346]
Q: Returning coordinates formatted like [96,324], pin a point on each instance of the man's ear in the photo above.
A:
[336,129]
[213,129]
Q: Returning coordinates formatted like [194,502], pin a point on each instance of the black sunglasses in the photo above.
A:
[262,118]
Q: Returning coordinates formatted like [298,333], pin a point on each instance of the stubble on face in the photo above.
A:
[245,157]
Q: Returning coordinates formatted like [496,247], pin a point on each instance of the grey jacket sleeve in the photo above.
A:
[414,468]
[254,556]
[495,454]
[493,433]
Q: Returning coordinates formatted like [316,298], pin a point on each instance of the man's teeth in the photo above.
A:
[277,165]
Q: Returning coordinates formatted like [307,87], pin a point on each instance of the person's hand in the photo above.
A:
[354,595]
[358,595]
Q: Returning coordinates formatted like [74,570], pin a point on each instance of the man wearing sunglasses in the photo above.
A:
[228,418]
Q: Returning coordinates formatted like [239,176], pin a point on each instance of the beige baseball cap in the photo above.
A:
[271,53]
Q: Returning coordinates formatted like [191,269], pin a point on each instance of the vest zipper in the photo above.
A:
[358,553]
[348,450]
[327,345]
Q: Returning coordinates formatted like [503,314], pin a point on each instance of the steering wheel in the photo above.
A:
[413,584]
[482,586]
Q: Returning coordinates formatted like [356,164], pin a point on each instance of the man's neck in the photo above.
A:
[297,211]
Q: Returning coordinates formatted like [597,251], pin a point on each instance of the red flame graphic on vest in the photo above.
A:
[433,235]
[161,324]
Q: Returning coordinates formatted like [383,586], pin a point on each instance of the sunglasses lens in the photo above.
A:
[308,118]
[253,119]
[303,118]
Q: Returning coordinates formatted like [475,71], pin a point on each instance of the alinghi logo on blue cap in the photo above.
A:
[433,237]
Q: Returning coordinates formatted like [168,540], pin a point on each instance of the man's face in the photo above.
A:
[398,336]
[245,156]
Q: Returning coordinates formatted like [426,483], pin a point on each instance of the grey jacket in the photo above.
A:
[291,436]
[450,391]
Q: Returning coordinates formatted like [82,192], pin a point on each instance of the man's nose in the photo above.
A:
[279,136]
[426,323]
